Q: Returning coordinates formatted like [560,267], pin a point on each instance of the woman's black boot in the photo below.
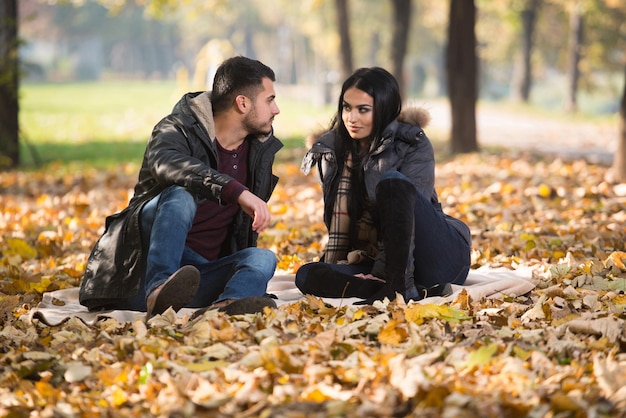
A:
[395,203]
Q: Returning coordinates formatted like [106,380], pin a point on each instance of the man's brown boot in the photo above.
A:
[177,291]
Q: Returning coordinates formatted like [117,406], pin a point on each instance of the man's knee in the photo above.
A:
[261,259]
[178,201]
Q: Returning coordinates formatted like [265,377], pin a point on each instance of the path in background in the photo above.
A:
[593,141]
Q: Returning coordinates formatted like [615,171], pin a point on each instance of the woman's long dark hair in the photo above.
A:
[383,88]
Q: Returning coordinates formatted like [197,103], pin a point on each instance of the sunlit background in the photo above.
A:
[184,41]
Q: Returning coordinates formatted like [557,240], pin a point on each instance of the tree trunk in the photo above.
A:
[401,25]
[575,46]
[461,69]
[345,46]
[9,106]
[523,81]
[619,161]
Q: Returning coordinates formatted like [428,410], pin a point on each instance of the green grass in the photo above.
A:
[80,112]
[108,123]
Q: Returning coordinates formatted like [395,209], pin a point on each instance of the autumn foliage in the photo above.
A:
[559,351]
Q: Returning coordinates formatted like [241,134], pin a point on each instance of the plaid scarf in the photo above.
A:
[339,249]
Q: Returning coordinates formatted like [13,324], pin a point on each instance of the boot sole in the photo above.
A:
[177,291]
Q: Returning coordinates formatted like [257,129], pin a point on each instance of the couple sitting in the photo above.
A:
[188,236]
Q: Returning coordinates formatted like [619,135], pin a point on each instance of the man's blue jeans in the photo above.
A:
[165,222]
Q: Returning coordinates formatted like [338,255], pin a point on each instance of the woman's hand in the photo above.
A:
[369,277]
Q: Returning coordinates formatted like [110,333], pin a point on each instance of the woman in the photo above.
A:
[386,229]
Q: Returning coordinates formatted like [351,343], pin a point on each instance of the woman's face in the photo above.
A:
[357,114]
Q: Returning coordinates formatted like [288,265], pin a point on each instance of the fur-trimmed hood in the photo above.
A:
[415,116]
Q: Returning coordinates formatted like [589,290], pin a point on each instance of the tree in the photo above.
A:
[523,81]
[345,47]
[401,25]
[461,69]
[574,55]
[9,78]
[619,160]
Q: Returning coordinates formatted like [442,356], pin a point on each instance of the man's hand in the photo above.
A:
[256,208]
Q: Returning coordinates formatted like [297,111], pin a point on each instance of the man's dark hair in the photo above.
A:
[235,76]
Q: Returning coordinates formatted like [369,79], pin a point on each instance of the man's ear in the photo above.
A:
[243,103]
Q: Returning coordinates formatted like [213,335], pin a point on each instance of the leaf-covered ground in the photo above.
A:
[559,351]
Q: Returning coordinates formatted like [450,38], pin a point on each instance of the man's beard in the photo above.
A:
[254,126]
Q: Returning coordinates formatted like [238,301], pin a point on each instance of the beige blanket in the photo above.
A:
[59,306]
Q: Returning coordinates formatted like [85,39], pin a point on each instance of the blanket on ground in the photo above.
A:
[59,306]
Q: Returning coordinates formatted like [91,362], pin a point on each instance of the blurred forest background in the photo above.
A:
[573,41]
[548,55]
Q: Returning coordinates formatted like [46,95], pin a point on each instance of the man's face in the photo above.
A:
[264,108]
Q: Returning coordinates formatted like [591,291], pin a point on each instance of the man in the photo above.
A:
[188,236]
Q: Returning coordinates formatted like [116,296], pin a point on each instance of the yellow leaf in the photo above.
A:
[316,246]
[521,353]
[224,334]
[463,300]
[315,395]
[620,301]
[544,190]
[358,314]
[418,313]
[279,210]
[561,402]
[46,390]
[42,286]
[21,248]
[314,302]
[482,356]
[617,259]
[392,334]
[508,188]
[122,377]
[289,263]
[286,361]
[118,397]
[107,375]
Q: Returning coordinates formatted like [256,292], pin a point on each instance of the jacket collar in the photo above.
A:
[200,106]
